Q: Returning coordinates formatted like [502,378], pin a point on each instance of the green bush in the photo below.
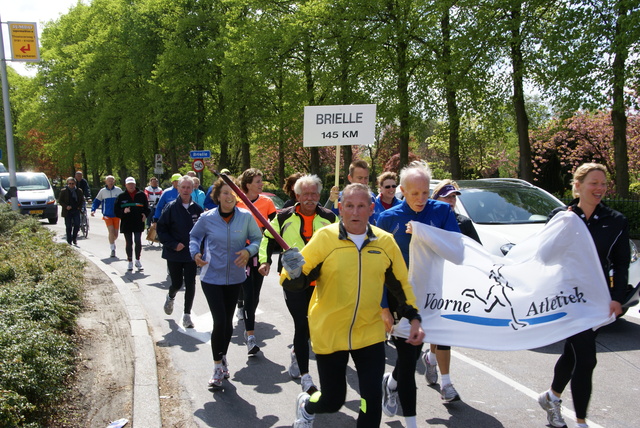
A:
[40,297]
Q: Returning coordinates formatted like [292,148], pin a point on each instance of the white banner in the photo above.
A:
[546,289]
[340,125]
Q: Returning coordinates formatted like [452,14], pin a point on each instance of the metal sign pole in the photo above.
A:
[8,125]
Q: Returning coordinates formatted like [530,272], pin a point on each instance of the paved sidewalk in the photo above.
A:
[146,401]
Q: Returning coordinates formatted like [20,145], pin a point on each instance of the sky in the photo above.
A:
[38,11]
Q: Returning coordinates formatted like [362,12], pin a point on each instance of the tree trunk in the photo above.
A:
[618,114]
[522,120]
[451,99]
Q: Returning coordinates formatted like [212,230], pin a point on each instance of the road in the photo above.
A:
[498,389]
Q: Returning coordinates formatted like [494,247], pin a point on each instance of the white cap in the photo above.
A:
[130,180]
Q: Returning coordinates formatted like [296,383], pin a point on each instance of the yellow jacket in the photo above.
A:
[344,312]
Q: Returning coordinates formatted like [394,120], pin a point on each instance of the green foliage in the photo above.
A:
[40,296]
[631,210]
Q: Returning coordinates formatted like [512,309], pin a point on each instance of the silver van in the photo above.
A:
[35,194]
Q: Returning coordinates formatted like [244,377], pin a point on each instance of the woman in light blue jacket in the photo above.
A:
[230,236]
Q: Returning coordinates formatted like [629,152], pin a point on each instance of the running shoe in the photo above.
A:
[303,419]
[307,384]
[225,367]
[252,348]
[389,397]
[139,266]
[216,379]
[294,370]
[186,321]
[448,393]
[431,374]
[130,266]
[553,409]
[168,305]
[113,253]
[240,314]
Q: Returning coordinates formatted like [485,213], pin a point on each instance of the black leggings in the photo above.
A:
[405,374]
[332,368]
[251,289]
[222,302]
[129,237]
[576,365]
[179,271]
[298,305]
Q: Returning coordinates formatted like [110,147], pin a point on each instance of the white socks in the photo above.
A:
[446,379]
[392,383]
[411,422]
[431,356]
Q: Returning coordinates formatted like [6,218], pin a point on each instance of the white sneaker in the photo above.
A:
[294,370]
[389,397]
[553,409]
[130,267]
[240,314]
[186,321]
[306,382]
[139,266]
[252,348]
[303,419]
[448,393]
[225,367]
[216,378]
[431,374]
[168,305]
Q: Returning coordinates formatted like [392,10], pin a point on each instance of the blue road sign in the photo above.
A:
[200,154]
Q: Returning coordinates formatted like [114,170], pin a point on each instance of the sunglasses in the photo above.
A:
[389,186]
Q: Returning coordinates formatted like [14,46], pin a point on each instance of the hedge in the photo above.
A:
[40,298]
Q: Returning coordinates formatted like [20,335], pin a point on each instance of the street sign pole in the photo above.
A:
[8,125]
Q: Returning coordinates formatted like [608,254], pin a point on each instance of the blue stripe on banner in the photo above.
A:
[499,322]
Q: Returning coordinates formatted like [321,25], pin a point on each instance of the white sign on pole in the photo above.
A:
[157,167]
[342,125]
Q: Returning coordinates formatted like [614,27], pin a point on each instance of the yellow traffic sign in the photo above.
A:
[24,41]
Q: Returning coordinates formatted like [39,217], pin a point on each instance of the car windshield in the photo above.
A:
[507,205]
[27,182]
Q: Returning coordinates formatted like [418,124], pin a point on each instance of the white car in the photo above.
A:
[506,211]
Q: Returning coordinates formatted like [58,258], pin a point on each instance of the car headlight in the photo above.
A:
[634,251]
[51,199]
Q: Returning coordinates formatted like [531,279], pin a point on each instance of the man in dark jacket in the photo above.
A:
[132,207]
[71,200]
[174,225]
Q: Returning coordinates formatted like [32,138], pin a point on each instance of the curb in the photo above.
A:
[146,402]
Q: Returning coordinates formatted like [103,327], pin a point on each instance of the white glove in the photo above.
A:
[292,261]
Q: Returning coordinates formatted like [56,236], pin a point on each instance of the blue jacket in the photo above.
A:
[169,194]
[435,213]
[198,197]
[378,207]
[208,202]
[173,228]
[222,241]
[107,198]
[394,220]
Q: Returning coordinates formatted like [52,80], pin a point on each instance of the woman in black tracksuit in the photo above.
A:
[610,232]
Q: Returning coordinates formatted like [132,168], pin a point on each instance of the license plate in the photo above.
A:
[36,212]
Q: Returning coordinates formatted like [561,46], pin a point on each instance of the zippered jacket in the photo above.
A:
[610,232]
[289,224]
[107,199]
[344,312]
[138,205]
[173,228]
[222,241]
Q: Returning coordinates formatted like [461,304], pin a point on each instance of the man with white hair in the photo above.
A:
[416,206]
[297,224]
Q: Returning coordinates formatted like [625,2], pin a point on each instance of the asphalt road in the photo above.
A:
[498,389]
